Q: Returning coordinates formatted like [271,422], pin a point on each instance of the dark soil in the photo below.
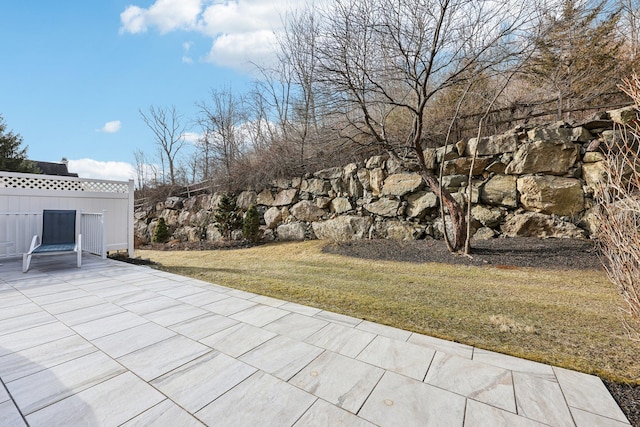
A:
[505,253]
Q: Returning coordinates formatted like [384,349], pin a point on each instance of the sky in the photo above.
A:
[75,74]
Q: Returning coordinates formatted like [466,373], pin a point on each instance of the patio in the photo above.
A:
[115,344]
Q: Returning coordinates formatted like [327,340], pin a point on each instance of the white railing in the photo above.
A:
[18,228]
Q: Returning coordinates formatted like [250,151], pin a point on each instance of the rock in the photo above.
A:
[213,233]
[323,202]
[500,191]
[272,217]
[496,167]
[558,135]
[461,146]
[384,207]
[307,211]
[236,235]
[331,173]
[449,152]
[281,183]
[246,199]
[340,205]
[316,186]
[532,224]
[184,217]
[453,182]
[171,217]
[462,166]
[488,217]
[338,186]
[342,228]
[488,146]
[350,169]
[354,187]
[402,230]
[419,203]
[593,157]
[394,166]
[401,184]
[291,231]
[215,201]
[551,194]
[363,177]
[544,157]
[594,175]
[591,221]
[484,233]
[265,198]
[581,134]
[375,162]
[285,197]
[376,179]
[624,116]
[173,203]
[429,158]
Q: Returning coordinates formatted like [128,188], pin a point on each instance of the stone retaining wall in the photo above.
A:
[527,182]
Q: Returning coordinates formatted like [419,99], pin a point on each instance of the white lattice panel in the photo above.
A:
[43,183]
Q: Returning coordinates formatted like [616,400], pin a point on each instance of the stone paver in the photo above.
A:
[113,344]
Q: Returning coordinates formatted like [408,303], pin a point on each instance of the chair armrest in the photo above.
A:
[34,243]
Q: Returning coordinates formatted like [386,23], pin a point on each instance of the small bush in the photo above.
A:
[227,216]
[161,232]
[251,225]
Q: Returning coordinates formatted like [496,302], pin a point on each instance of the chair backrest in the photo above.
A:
[58,227]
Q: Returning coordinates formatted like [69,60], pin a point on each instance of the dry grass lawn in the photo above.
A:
[565,318]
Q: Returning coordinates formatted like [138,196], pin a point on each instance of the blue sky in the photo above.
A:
[75,73]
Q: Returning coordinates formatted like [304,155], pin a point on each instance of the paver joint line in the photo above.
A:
[192,352]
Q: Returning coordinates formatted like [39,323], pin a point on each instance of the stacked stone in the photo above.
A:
[526,182]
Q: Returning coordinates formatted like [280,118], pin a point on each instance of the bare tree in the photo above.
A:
[168,130]
[222,119]
[383,62]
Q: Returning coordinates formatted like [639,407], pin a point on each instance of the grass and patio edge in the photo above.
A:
[567,318]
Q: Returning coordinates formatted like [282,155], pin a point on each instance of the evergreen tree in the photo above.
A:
[227,216]
[12,158]
[251,225]
[161,232]
[577,55]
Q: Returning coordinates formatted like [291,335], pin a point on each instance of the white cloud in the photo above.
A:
[241,30]
[166,15]
[192,137]
[89,168]
[111,127]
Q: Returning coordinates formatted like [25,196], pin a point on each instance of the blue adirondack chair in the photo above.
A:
[58,237]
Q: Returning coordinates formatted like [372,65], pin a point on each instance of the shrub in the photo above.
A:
[251,225]
[161,232]
[619,215]
[227,216]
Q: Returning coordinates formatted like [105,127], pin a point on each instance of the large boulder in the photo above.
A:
[292,231]
[488,146]
[363,177]
[272,217]
[307,211]
[376,179]
[462,166]
[331,173]
[532,224]
[340,205]
[173,202]
[343,228]
[624,116]
[246,199]
[429,158]
[544,157]
[384,207]
[594,175]
[500,190]
[316,186]
[285,197]
[551,194]
[488,217]
[401,183]
[402,230]
[265,198]
[419,203]
[171,217]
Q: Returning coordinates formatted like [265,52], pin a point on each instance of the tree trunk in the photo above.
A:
[456,212]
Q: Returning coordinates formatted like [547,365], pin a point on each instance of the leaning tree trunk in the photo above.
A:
[456,212]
